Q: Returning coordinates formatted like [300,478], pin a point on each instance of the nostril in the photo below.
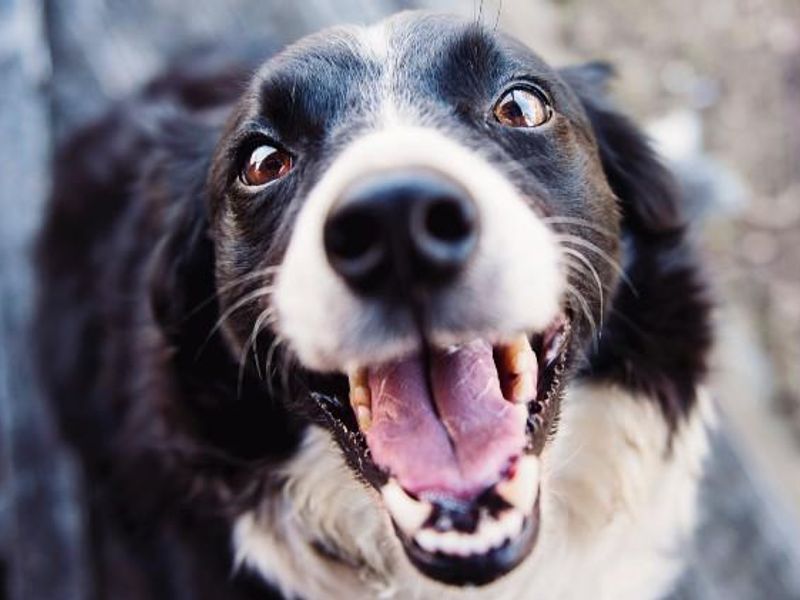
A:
[354,245]
[351,235]
[449,220]
[443,233]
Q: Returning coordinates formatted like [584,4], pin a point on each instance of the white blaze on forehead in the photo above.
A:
[375,40]
[378,45]
[514,281]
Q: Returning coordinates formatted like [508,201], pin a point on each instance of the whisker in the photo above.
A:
[575,293]
[242,302]
[573,239]
[559,220]
[240,376]
[231,284]
[580,256]
[268,362]
[262,320]
[248,276]
[599,332]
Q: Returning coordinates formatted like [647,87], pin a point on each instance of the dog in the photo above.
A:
[399,311]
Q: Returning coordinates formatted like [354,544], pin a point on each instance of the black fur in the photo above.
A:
[176,439]
[658,334]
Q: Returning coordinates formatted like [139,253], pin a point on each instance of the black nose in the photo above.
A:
[397,229]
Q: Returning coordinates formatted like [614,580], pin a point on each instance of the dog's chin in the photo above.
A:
[475,568]
[452,439]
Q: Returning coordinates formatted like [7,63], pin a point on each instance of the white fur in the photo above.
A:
[375,40]
[618,507]
[517,258]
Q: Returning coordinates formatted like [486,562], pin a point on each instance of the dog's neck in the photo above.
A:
[614,487]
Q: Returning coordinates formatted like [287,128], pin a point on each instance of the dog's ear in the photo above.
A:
[182,270]
[646,189]
[657,337]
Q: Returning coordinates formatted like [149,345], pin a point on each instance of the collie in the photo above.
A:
[400,312]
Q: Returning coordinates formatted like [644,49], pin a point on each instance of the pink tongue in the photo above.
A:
[409,441]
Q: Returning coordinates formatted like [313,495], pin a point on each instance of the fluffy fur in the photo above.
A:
[210,478]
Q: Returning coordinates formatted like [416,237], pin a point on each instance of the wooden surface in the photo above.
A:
[61,62]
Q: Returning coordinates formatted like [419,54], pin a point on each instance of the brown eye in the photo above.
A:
[265,164]
[523,107]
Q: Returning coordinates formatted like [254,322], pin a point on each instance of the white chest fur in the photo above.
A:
[618,506]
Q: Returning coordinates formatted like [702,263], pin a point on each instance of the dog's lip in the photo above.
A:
[470,543]
[472,569]
[477,568]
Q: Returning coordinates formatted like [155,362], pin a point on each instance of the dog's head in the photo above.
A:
[417,231]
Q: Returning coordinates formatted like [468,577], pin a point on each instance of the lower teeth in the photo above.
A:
[409,514]
[519,491]
[491,533]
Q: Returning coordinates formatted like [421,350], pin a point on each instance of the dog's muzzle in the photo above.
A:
[421,273]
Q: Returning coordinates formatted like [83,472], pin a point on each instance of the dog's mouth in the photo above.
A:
[455,435]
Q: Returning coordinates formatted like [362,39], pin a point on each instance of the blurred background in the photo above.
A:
[717,84]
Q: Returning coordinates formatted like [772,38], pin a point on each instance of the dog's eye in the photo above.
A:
[265,164]
[523,107]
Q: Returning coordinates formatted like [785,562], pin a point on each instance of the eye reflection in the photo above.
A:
[523,107]
[265,164]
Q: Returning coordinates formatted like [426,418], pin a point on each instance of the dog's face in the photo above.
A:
[413,228]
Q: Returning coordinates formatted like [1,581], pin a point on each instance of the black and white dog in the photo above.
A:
[408,313]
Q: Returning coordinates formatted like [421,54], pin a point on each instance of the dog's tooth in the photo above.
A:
[450,542]
[522,388]
[520,491]
[357,376]
[362,406]
[492,533]
[364,418]
[511,523]
[516,520]
[462,545]
[478,544]
[360,398]
[409,514]
[555,345]
[518,360]
[428,540]
[522,357]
